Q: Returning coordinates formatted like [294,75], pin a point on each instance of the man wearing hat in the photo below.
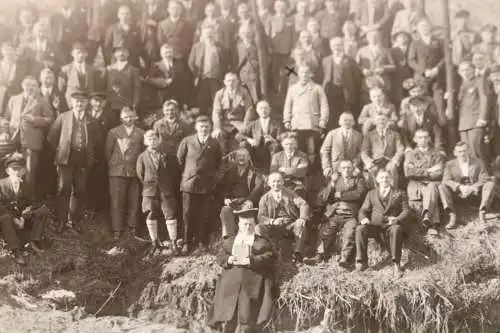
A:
[488,44]
[199,156]
[18,211]
[76,138]
[29,115]
[123,84]
[464,38]
[78,75]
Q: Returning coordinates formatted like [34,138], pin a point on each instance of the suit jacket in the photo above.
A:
[197,58]
[100,17]
[67,30]
[295,206]
[31,135]
[52,57]
[415,168]
[60,134]
[116,36]
[122,161]
[199,163]
[149,32]
[335,149]
[462,43]
[10,83]
[178,35]
[171,135]
[246,62]
[105,121]
[306,107]
[155,179]
[380,60]
[12,203]
[74,81]
[228,27]
[492,52]
[123,86]
[422,56]
[378,213]
[351,79]
[430,123]
[352,193]
[473,104]
[404,21]
[280,32]
[255,182]
[330,25]
[453,177]
[57,102]
[373,147]
[299,163]
[241,108]
[254,130]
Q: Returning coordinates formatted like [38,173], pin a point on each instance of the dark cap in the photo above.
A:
[202,119]
[400,32]
[489,27]
[98,95]
[80,95]
[15,160]
[120,46]
[416,100]
[79,46]
[246,212]
[462,14]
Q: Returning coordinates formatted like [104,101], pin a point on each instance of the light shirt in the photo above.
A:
[346,132]
[464,168]
[426,39]
[41,45]
[277,196]
[480,72]
[121,65]
[264,124]
[210,61]
[241,240]
[80,67]
[202,140]
[96,114]
[79,114]
[129,130]
[67,12]
[46,91]
[16,184]
[8,70]
[384,192]
[419,116]
[152,9]
[337,58]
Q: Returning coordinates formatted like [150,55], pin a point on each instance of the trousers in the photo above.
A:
[393,233]
[125,197]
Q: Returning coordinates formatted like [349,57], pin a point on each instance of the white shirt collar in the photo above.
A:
[79,115]
[464,168]
[202,139]
[97,113]
[47,91]
[121,64]
[277,195]
[129,130]
[242,239]
[384,192]
[264,123]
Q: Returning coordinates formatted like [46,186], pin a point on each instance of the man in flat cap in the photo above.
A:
[199,156]
[78,75]
[464,38]
[76,138]
[29,115]
[20,218]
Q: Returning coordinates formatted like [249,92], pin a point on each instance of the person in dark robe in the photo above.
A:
[243,298]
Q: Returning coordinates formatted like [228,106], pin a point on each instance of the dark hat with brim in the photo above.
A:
[462,14]
[416,100]
[98,95]
[80,95]
[246,212]
[15,160]
[401,32]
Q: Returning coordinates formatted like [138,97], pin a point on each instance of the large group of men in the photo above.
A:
[268,82]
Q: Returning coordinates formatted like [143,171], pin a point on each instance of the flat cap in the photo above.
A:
[15,160]
[98,95]
[80,95]
[79,46]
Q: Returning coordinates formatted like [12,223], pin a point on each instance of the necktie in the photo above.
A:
[16,185]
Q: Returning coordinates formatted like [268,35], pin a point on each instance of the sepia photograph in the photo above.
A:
[249,166]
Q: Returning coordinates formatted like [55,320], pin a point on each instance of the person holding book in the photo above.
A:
[243,297]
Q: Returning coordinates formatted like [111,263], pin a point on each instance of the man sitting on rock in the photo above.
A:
[18,211]
[465,177]
[342,197]
[383,215]
[423,167]
[282,213]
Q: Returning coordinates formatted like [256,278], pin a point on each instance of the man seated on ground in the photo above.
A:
[261,136]
[18,210]
[343,143]
[465,177]
[242,189]
[423,167]
[282,213]
[342,197]
[291,163]
[383,214]
[382,149]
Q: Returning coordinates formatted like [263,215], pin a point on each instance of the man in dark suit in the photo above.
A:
[100,16]
[152,12]
[382,149]
[126,34]
[473,110]
[418,117]
[76,137]
[199,156]
[465,177]
[342,143]
[49,90]
[78,75]
[208,63]
[246,61]
[342,82]
[123,83]
[176,31]
[341,200]
[261,136]
[123,146]
[69,26]
[29,115]
[18,210]
[384,213]
[283,213]
[423,166]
